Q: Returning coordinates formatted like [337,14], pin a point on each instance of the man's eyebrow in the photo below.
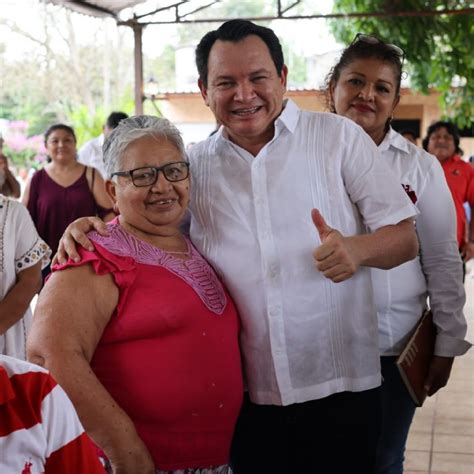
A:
[221,77]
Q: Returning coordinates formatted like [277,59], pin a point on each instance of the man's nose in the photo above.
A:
[244,91]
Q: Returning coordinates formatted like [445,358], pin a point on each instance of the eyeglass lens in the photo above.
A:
[171,171]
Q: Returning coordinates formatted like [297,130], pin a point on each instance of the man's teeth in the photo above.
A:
[165,201]
[246,111]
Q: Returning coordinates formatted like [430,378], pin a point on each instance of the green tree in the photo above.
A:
[439,49]
[63,80]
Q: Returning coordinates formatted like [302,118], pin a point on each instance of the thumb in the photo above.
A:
[320,224]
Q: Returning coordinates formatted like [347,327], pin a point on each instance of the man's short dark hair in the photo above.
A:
[235,31]
[114,119]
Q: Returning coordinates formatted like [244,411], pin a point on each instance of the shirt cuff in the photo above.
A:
[448,346]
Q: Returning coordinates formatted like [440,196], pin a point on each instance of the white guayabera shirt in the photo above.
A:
[303,337]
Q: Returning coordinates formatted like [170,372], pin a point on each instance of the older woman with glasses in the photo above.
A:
[141,333]
[364,86]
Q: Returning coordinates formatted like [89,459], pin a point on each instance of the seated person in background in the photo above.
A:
[9,186]
[23,254]
[90,154]
[140,333]
[40,431]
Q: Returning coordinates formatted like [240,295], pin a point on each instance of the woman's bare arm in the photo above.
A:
[15,303]
[71,315]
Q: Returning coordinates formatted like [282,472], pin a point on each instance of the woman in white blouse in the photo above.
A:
[364,86]
[22,256]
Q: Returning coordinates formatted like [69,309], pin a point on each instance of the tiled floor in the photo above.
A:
[441,439]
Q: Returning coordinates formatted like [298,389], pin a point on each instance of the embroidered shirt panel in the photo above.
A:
[195,271]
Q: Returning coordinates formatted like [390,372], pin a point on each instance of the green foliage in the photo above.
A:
[296,65]
[89,125]
[162,68]
[85,124]
[439,49]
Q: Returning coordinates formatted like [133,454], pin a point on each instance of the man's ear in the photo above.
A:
[203,90]
[284,76]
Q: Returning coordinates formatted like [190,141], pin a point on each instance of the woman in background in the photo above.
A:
[22,256]
[442,141]
[364,86]
[64,189]
[9,185]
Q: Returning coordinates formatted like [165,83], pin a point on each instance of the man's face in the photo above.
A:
[244,90]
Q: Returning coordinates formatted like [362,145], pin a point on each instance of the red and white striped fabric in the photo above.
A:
[39,428]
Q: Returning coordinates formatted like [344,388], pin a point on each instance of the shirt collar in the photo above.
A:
[453,161]
[6,389]
[395,140]
[288,117]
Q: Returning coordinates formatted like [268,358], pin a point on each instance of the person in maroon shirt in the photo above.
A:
[442,140]
[64,189]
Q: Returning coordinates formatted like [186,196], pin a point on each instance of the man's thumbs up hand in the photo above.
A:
[335,257]
[323,229]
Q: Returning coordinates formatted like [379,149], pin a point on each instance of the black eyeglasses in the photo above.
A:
[148,175]
[369,39]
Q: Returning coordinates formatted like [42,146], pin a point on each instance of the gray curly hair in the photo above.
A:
[133,128]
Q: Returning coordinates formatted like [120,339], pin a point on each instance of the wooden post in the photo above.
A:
[137,33]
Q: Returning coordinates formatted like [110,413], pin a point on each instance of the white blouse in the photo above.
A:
[401,293]
[20,248]
[303,337]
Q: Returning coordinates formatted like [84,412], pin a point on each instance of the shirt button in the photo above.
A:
[273,312]
[274,270]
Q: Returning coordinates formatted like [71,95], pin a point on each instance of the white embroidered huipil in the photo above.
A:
[401,293]
[20,248]
[303,337]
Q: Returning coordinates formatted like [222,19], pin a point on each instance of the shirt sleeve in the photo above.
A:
[29,247]
[103,262]
[441,263]
[372,185]
[68,448]
[470,186]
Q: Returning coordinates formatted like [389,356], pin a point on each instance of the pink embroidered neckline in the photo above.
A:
[195,271]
